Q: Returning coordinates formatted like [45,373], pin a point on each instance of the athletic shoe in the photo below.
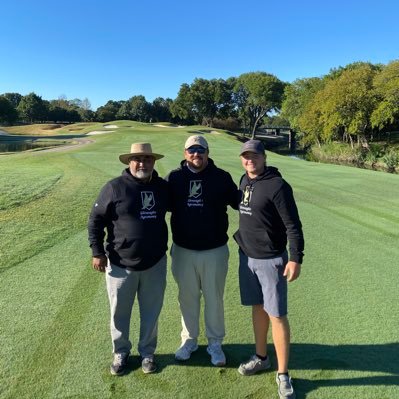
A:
[254,365]
[118,366]
[285,388]
[185,351]
[217,356]
[148,365]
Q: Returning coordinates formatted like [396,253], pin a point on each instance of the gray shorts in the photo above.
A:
[262,283]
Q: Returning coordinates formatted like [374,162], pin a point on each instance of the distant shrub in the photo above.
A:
[338,152]
[232,124]
[391,160]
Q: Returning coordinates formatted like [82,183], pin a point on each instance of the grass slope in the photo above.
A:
[54,312]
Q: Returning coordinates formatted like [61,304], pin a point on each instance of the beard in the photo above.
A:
[143,174]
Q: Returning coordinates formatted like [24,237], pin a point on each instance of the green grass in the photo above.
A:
[54,313]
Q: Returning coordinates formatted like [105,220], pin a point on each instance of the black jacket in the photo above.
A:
[268,216]
[133,213]
[199,202]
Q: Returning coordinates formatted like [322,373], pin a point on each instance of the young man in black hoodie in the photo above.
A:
[268,219]
[131,208]
[199,195]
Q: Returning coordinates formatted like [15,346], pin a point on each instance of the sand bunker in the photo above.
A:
[99,132]
[111,126]
[170,127]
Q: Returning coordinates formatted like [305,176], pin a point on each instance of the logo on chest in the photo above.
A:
[246,195]
[195,189]
[147,200]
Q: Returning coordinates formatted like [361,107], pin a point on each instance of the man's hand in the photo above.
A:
[292,270]
[100,263]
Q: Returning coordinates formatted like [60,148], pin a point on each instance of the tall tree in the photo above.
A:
[8,113]
[182,106]
[32,108]
[259,93]
[160,110]
[297,97]
[386,85]
[348,103]
[14,98]
[108,111]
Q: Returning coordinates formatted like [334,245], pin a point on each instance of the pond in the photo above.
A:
[25,145]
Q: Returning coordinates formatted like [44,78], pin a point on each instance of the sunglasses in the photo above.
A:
[198,150]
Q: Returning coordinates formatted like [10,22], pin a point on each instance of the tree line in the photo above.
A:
[351,104]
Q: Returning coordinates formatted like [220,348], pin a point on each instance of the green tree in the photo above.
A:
[160,110]
[32,108]
[297,97]
[108,111]
[182,106]
[8,113]
[203,101]
[14,98]
[386,85]
[210,99]
[259,93]
[136,109]
[347,103]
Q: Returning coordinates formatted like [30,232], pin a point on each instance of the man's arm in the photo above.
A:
[286,207]
[96,226]
[233,194]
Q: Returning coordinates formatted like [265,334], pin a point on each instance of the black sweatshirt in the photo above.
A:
[199,202]
[268,216]
[133,213]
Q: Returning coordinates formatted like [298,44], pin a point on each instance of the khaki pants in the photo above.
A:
[196,273]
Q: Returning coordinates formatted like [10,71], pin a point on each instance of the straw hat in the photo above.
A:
[139,149]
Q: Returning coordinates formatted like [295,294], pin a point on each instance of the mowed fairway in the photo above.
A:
[54,316]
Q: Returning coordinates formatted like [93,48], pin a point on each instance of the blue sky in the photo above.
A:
[115,49]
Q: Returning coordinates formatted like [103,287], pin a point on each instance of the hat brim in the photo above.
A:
[124,158]
[253,152]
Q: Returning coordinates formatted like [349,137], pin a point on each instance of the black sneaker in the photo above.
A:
[118,366]
[148,365]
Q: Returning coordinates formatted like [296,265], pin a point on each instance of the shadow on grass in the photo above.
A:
[378,358]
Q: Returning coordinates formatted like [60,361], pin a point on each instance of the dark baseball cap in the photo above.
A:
[255,146]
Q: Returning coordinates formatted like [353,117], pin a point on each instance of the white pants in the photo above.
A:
[122,286]
[197,272]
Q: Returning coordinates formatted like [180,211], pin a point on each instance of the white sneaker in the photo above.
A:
[217,356]
[185,351]
[285,388]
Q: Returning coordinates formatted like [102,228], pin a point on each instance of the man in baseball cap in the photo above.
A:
[268,218]
[199,194]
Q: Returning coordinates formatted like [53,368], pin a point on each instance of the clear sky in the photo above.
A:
[115,49]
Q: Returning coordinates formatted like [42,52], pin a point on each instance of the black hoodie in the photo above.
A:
[199,206]
[268,216]
[133,212]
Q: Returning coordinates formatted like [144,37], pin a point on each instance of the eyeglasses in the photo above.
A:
[198,150]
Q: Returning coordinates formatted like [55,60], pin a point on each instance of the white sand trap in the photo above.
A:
[170,127]
[211,132]
[3,133]
[99,132]
[111,126]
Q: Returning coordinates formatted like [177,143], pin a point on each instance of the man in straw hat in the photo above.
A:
[131,208]
[268,219]
[199,195]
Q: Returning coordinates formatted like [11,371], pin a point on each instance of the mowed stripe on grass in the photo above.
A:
[54,313]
